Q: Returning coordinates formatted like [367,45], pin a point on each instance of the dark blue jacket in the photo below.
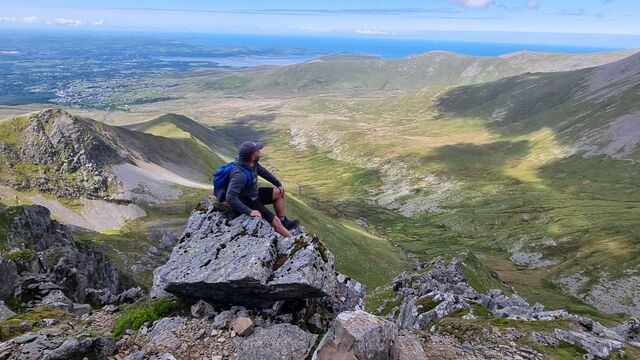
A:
[237,191]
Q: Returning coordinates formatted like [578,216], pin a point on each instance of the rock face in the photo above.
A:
[43,258]
[245,262]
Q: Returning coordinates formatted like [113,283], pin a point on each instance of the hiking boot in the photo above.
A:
[289,224]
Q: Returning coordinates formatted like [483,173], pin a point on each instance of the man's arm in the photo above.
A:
[264,173]
[236,184]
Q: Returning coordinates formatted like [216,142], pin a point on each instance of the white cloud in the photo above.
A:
[30,19]
[375,32]
[533,4]
[322,29]
[70,22]
[476,4]
[11,19]
[99,23]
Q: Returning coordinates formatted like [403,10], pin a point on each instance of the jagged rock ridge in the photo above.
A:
[243,261]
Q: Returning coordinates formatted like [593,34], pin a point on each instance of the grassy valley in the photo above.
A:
[528,161]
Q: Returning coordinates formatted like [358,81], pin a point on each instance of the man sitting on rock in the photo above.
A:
[249,198]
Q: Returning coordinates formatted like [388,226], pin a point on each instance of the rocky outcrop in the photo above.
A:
[41,257]
[243,261]
[71,150]
[591,344]
[437,289]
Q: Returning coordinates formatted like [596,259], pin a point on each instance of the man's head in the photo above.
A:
[250,151]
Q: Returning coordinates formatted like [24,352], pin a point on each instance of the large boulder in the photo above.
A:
[276,342]
[244,262]
[359,335]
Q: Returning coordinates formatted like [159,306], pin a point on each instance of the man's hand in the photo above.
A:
[281,191]
[255,213]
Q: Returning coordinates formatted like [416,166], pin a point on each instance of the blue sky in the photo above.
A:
[401,18]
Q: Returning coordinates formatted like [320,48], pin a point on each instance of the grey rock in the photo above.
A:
[7,349]
[159,283]
[5,312]
[102,347]
[202,309]
[71,348]
[592,344]
[47,322]
[80,309]
[359,335]
[163,356]
[163,333]
[630,331]
[110,308]
[166,325]
[348,295]
[277,342]
[315,322]
[244,261]
[543,339]
[58,299]
[25,338]
[8,276]
[35,350]
[413,315]
[221,320]
[58,262]
[408,347]
[200,334]
[136,355]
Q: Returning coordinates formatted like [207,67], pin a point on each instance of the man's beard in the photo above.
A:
[257,158]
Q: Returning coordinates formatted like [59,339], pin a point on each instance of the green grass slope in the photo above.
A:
[182,127]
[361,75]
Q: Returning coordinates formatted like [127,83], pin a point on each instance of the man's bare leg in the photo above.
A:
[279,228]
[278,203]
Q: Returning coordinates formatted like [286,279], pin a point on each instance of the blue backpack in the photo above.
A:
[222,176]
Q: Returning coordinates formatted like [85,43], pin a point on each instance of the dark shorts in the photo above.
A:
[265,197]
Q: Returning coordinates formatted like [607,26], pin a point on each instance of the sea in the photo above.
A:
[237,50]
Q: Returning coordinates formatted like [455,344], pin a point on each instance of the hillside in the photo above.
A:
[365,75]
[535,173]
[152,180]
[182,127]
[84,169]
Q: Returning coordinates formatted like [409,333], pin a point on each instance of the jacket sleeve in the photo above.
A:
[236,183]
[264,173]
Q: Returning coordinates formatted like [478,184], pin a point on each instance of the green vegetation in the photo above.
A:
[135,315]
[22,255]
[6,219]
[28,321]
[480,277]
[11,130]
[233,83]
